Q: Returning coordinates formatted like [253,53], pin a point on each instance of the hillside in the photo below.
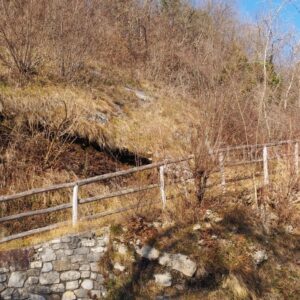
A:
[101,86]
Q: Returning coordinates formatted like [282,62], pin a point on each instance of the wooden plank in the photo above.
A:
[31,232]
[75,205]
[91,179]
[296,153]
[119,193]
[265,165]
[131,171]
[36,212]
[222,171]
[36,191]
[122,173]
[257,146]
[162,186]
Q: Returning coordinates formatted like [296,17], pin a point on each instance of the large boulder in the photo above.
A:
[179,262]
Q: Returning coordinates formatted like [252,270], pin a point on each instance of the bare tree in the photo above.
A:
[70,28]
[21,32]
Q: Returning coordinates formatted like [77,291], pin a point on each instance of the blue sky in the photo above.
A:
[250,10]
[289,16]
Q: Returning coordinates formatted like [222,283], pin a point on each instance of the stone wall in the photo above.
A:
[64,268]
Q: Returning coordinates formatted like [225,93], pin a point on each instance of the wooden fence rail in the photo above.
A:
[223,155]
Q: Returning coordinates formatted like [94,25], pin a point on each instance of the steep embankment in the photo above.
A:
[223,255]
[55,132]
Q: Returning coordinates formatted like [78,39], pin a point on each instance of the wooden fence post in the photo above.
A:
[296,158]
[221,162]
[75,205]
[162,186]
[265,163]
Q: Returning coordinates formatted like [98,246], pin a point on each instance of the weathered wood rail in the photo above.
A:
[257,153]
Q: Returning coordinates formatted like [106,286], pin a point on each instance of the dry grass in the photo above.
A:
[146,127]
[225,264]
[181,197]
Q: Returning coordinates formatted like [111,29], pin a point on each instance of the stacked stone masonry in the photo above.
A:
[64,268]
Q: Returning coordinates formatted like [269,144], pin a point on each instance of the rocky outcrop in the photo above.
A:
[178,262]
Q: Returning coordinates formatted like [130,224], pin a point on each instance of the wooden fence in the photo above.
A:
[245,154]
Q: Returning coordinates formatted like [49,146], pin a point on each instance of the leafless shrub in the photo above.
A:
[21,34]
[70,32]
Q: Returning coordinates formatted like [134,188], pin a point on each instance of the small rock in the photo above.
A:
[201,242]
[85,274]
[87,284]
[61,265]
[17,279]
[32,280]
[88,242]
[36,297]
[56,241]
[168,224]
[289,229]
[68,296]
[207,226]
[36,265]
[94,267]
[157,224]
[214,237]
[70,275]
[99,249]
[180,287]
[49,278]
[260,256]
[208,215]
[81,293]
[85,267]
[72,285]
[196,227]
[47,267]
[7,293]
[82,250]
[3,270]
[33,272]
[122,249]
[148,252]
[163,279]
[77,258]
[58,288]
[3,277]
[68,252]
[218,219]
[40,289]
[66,239]
[93,257]
[48,255]
[119,267]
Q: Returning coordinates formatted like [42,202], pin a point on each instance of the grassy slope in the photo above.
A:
[42,117]
[157,128]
